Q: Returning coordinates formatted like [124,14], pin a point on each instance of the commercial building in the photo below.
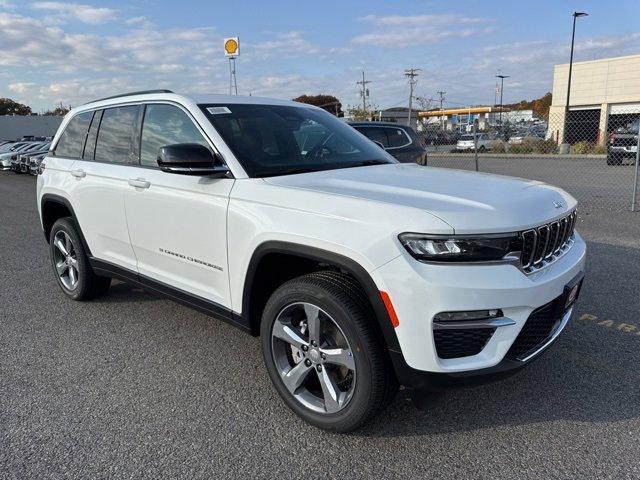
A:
[605,95]
[463,118]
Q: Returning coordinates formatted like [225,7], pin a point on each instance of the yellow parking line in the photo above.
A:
[624,327]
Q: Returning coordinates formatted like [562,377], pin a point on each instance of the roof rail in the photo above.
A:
[128,94]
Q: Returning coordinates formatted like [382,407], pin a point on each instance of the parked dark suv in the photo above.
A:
[399,140]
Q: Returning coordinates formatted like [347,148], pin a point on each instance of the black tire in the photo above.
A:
[89,285]
[614,159]
[342,298]
[482,148]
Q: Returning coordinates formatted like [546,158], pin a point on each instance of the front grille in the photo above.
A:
[542,244]
[461,343]
[537,329]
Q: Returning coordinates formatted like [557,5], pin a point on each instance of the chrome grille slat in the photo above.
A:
[546,242]
[543,243]
[553,229]
[563,230]
[528,236]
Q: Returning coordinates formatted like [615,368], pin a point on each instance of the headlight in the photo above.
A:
[459,248]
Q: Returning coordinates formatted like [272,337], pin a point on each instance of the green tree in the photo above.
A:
[11,107]
[58,111]
[327,102]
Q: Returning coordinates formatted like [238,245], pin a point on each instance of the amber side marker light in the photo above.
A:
[390,310]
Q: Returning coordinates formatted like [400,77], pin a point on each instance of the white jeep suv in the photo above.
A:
[358,273]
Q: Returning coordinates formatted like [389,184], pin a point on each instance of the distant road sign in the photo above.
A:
[232,47]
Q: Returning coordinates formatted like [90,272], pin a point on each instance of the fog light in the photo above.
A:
[468,315]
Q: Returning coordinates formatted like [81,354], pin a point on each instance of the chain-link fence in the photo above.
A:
[589,153]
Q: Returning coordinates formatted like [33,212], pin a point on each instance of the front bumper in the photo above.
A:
[629,151]
[419,291]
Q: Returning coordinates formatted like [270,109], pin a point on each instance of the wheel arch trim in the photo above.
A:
[59,199]
[323,256]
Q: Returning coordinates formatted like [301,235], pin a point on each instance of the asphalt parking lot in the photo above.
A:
[595,184]
[135,386]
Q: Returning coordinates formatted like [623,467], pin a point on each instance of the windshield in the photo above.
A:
[274,140]
[466,138]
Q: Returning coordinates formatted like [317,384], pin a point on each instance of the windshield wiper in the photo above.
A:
[366,163]
[288,171]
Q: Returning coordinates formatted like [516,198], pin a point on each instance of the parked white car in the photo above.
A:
[14,150]
[468,142]
[358,272]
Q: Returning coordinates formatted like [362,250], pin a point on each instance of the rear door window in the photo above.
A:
[115,136]
[397,138]
[72,139]
[377,134]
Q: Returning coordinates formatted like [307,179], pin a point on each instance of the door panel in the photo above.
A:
[177,225]
[98,200]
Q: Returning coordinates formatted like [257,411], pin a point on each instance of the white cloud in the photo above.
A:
[421,20]
[30,42]
[396,31]
[20,87]
[286,44]
[80,12]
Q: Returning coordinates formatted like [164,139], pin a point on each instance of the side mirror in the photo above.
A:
[379,144]
[190,159]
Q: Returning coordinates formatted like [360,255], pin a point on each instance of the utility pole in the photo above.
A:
[411,74]
[441,94]
[364,92]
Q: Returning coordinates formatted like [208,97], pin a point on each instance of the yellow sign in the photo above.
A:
[232,47]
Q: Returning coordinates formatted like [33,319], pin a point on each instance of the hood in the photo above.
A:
[470,202]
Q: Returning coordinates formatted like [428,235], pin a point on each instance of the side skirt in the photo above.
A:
[213,309]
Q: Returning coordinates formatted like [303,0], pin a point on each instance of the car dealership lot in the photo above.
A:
[132,385]
[596,185]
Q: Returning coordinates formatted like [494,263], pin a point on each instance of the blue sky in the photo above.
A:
[69,52]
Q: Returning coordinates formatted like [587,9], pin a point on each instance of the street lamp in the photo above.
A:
[501,77]
[573,36]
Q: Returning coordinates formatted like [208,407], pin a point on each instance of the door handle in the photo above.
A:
[78,173]
[139,183]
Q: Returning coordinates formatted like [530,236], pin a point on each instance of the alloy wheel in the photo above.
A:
[65,260]
[313,357]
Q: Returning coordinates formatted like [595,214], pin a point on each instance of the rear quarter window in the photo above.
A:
[72,139]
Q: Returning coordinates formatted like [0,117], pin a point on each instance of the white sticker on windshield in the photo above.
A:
[218,110]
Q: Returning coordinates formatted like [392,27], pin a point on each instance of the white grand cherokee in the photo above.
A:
[357,272]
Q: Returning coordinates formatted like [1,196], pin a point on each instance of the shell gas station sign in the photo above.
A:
[232,47]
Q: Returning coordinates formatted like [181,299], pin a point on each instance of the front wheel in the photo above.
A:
[322,353]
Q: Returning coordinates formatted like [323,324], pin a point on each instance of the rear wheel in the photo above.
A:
[322,353]
[71,264]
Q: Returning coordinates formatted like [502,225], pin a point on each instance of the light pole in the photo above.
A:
[573,37]
[501,77]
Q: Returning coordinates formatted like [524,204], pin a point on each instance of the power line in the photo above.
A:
[411,74]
